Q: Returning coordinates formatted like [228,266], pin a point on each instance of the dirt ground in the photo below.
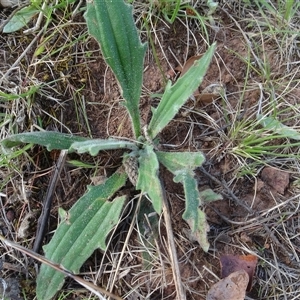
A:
[79,94]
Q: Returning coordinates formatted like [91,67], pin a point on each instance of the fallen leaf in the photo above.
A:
[233,287]
[188,64]
[211,93]
[233,263]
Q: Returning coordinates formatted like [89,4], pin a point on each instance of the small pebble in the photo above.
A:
[10,215]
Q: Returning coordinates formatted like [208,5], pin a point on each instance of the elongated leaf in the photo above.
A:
[182,164]
[178,161]
[112,25]
[148,180]
[84,228]
[272,124]
[193,215]
[175,96]
[20,19]
[95,145]
[192,197]
[50,139]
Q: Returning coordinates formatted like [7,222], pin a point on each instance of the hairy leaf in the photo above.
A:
[83,229]
[177,161]
[175,96]
[193,215]
[209,195]
[112,25]
[96,145]
[148,180]
[50,139]
[182,164]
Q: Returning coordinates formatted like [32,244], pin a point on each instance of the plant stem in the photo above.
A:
[172,249]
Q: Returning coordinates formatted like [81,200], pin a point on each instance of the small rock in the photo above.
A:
[277,179]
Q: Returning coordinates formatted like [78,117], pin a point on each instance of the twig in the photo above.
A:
[12,14]
[43,220]
[91,287]
[24,53]
[231,195]
[172,250]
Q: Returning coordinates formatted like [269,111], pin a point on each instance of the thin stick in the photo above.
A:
[232,196]
[229,193]
[172,250]
[43,220]
[24,53]
[91,287]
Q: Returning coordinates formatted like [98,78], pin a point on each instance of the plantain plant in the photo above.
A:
[86,225]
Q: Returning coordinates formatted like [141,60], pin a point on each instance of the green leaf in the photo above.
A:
[148,180]
[95,145]
[20,19]
[209,195]
[177,161]
[83,229]
[182,164]
[192,197]
[80,164]
[200,235]
[175,96]
[50,139]
[112,25]
[193,215]
[274,125]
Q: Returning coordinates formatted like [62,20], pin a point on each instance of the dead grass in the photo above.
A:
[60,82]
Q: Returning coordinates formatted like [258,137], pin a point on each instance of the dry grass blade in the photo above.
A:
[172,251]
[91,287]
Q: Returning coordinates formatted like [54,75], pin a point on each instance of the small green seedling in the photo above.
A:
[27,13]
[95,214]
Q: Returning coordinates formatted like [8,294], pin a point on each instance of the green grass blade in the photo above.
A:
[84,228]
[175,96]
[112,25]
[50,139]
[8,97]
[148,180]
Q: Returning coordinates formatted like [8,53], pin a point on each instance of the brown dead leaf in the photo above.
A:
[211,93]
[188,64]
[232,263]
[233,287]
